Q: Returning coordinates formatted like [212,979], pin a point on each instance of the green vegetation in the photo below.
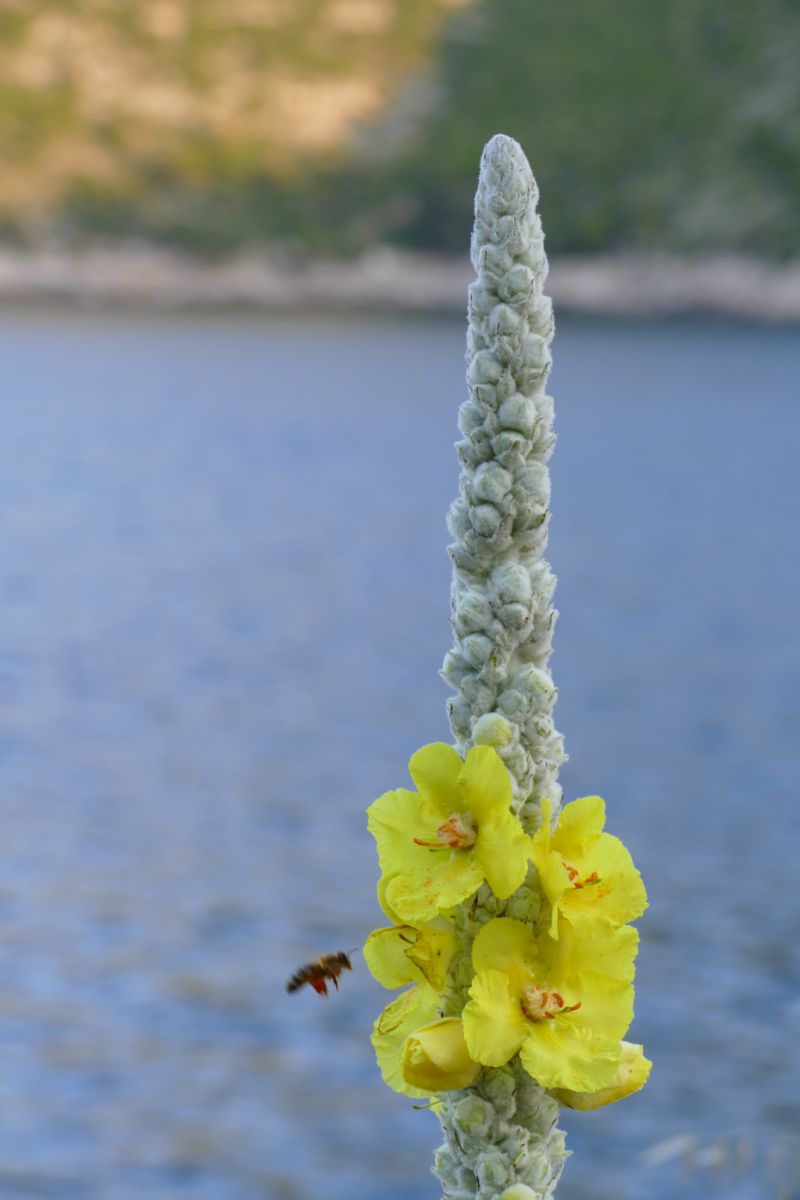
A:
[329,125]
[675,125]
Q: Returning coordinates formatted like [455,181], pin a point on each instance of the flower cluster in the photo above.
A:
[555,989]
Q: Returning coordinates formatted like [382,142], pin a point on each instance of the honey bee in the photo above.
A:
[326,967]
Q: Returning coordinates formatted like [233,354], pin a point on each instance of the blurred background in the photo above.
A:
[224,580]
[145,142]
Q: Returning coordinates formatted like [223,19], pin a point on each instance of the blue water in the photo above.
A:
[223,605]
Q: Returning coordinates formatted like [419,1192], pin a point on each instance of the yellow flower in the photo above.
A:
[632,1074]
[437,846]
[435,1057]
[562,1005]
[396,956]
[583,871]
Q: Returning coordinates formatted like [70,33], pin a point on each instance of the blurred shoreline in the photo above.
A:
[386,280]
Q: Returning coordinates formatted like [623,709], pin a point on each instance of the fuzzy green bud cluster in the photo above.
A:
[502,594]
[501,1137]
[501,1140]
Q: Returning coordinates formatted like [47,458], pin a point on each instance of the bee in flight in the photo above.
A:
[327,966]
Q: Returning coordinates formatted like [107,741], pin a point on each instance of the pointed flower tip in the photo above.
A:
[505,185]
[502,153]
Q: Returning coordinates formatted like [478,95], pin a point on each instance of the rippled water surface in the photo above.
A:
[224,589]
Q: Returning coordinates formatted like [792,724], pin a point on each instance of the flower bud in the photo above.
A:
[492,729]
[435,1057]
[473,1115]
[630,1077]
[485,520]
[520,1191]
[492,1169]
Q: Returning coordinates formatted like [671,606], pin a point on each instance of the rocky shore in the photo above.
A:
[144,276]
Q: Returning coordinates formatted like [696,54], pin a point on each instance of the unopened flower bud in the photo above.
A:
[435,1057]
[520,1191]
[492,729]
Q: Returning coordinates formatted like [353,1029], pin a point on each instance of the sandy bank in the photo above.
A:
[388,280]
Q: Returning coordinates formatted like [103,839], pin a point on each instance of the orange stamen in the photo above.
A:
[575,876]
[456,833]
[540,1005]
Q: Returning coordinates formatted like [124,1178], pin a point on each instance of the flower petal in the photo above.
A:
[579,825]
[631,1075]
[436,1058]
[552,873]
[595,949]
[606,1008]
[431,953]
[506,945]
[385,953]
[502,849]
[553,878]
[415,1007]
[619,896]
[596,970]
[384,903]
[444,879]
[544,833]
[401,954]
[613,951]
[494,1024]
[394,820]
[485,783]
[435,770]
[559,1054]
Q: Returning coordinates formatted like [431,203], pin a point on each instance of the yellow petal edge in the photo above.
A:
[632,1074]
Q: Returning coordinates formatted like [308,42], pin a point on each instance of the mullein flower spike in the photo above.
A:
[511,937]
[560,996]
